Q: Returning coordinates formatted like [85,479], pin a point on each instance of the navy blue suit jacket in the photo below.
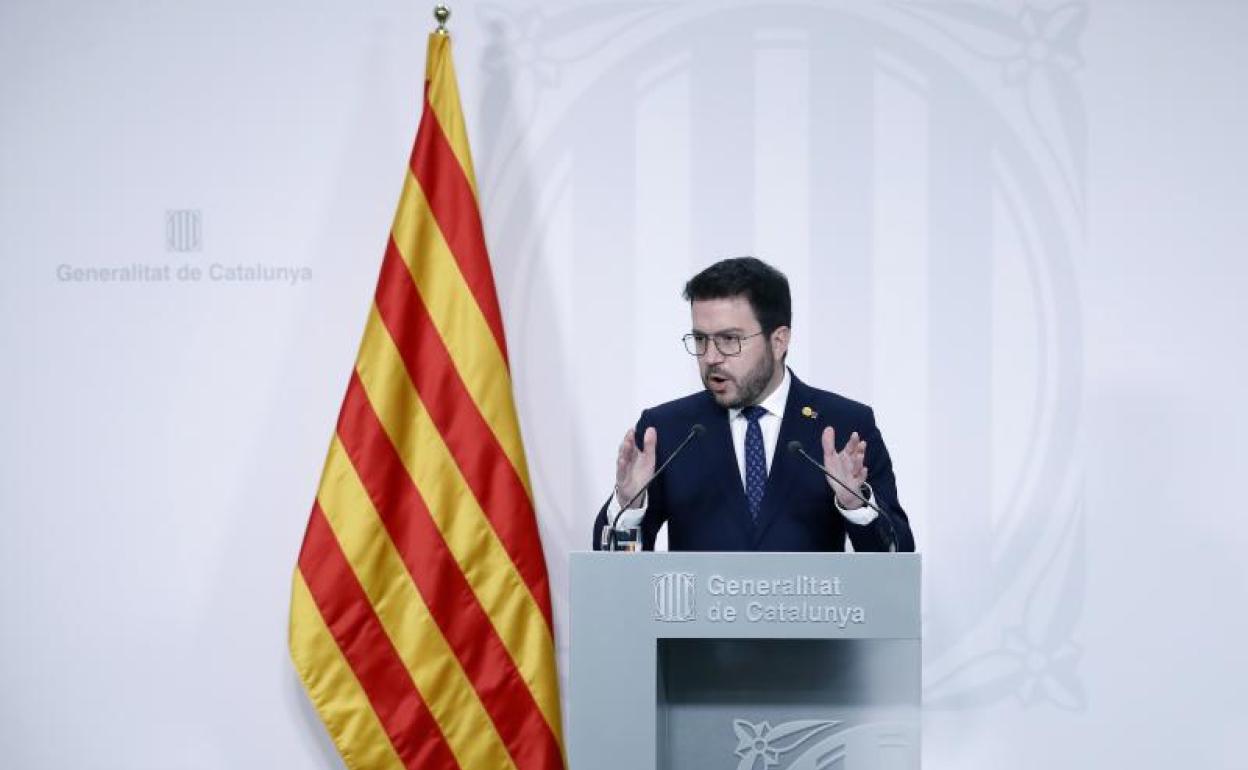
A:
[702,500]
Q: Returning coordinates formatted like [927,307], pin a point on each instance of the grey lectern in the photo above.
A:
[744,661]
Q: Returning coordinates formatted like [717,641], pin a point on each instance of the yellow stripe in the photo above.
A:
[444,99]
[435,671]
[334,689]
[459,321]
[458,515]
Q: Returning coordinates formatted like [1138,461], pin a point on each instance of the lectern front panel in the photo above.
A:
[685,661]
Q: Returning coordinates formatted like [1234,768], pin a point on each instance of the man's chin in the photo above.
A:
[726,399]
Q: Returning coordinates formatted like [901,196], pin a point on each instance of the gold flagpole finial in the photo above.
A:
[440,14]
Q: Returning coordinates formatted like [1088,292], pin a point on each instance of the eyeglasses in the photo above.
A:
[726,344]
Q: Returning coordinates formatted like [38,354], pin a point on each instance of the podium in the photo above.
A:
[752,661]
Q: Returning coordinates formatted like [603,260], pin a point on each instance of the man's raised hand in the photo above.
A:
[634,467]
[846,465]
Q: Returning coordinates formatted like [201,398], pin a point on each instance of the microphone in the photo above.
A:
[796,448]
[696,430]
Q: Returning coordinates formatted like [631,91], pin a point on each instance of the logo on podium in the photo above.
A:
[673,596]
[824,744]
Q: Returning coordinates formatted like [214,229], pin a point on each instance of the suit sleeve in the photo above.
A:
[656,510]
[878,535]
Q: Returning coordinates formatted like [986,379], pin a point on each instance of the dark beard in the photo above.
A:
[751,385]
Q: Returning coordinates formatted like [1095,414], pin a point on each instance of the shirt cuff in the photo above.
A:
[629,519]
[861,516]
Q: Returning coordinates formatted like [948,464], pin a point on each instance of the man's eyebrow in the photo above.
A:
[731,330]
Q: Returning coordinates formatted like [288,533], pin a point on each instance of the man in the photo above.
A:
[738,486]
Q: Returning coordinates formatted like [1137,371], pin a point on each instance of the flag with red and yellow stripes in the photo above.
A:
[420,618]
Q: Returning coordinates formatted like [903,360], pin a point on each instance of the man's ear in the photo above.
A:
[780,341]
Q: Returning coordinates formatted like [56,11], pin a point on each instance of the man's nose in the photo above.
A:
[712,355]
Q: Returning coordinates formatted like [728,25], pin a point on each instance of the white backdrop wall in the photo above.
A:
[1015,228]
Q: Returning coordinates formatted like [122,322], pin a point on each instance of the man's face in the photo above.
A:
[745,379]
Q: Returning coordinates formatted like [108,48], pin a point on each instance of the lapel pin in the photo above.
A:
[809,413]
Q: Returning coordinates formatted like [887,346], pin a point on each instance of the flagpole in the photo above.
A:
[441,14]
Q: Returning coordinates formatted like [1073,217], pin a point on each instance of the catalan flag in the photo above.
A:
[420,618]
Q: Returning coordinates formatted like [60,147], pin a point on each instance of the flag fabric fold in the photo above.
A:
[420,616]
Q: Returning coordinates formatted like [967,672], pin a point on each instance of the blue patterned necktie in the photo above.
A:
[755,460]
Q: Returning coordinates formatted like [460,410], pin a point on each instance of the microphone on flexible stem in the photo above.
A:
[696,430]
[796,448]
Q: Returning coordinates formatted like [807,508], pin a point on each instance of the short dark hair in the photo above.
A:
[763,286]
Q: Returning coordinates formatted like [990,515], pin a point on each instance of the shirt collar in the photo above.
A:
[775,403]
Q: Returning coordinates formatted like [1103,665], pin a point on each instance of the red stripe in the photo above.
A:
[441,583]
[486,468]
[454,207]
[363,641]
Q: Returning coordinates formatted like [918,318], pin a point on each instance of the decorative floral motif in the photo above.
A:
[754,743]
[1037,660]
[1048,38]
[1023,42]
[531,42]
[1046,674]
[760,745]
[1037,49]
